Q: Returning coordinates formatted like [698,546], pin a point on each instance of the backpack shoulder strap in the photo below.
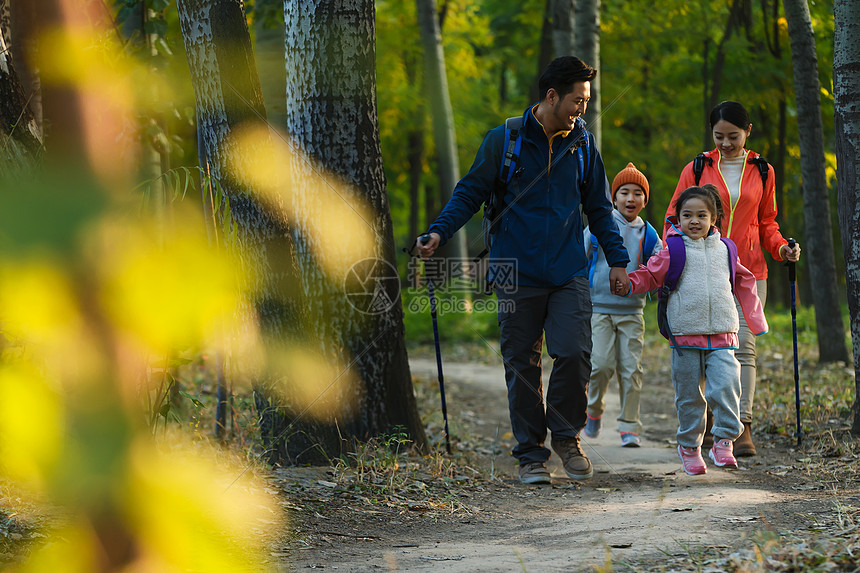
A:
[733,259]
[699,165]
[512,145]
[677,260]
[649,241]
[593,264]
[584,156]
[763,169]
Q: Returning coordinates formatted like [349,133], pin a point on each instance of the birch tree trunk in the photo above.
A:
[586,46]
[846,87]
[228,99]
[332,119]
[816,203]
[444,133]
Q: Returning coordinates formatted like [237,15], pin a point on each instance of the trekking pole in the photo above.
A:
[424,239]
[792,279]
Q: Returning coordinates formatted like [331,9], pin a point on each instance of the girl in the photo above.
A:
[748,195]
[702,315]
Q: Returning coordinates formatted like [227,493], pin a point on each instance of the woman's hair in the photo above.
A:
[707,193]
[732,112]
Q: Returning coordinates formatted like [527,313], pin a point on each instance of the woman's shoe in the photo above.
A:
[744,446]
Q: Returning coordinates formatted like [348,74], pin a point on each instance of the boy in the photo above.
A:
[618,327]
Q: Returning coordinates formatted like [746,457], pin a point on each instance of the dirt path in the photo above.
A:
[639,509]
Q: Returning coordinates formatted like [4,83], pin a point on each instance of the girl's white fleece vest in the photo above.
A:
[703,303]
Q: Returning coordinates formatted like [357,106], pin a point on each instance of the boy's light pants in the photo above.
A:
[720,374]
[617,341]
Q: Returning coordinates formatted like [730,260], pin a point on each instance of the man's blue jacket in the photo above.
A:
[542,229]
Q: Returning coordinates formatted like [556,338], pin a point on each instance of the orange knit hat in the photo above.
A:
[630,175]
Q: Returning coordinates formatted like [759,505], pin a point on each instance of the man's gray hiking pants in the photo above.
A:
[564,314]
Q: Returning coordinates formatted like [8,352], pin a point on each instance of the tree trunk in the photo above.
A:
[332,118]
[846,87]
[545,49]
[586,45]
[23,46]
[444,134]
[228,98]
[562,27]
[15,113]
[816,203]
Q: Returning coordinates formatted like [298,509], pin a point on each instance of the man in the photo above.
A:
[540,229]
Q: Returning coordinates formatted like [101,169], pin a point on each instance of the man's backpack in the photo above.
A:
[677,260]
[703,158]
[495,205]
[646,247]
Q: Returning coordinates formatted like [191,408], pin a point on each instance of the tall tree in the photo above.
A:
[562,26]
[586,45]
[228,99]
[816,202]
[444,132]
[19,124]
[332,119]
[846,87]
[20,22]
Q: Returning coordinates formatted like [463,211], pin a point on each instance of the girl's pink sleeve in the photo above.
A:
[649,277]
[747,294]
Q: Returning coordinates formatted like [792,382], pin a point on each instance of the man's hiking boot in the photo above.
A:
[534,472]
[630,440]
[744,446]
[708,440]
[576,463]
[691,459]
[592,427]
[721,453]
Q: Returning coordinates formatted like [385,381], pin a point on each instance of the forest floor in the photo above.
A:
[787,508]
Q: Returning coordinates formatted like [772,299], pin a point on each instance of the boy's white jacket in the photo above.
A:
[632,233]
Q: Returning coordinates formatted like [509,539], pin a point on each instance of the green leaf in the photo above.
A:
[194,400]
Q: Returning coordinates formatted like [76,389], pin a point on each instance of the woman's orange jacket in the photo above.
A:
[750,221]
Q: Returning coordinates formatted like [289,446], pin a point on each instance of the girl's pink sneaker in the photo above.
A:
[721,453]
[691,459]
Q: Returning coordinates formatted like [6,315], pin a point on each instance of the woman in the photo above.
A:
[749,220]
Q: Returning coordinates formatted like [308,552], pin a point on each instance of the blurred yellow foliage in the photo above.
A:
[32,433]
[36,302]
[333,221]
[168,294]
[313,383]
[191,513]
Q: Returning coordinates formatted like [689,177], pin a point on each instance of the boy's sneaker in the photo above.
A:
[534,472]
[576,463]
[630,440]
[691,459]
[592,427]
[721,453]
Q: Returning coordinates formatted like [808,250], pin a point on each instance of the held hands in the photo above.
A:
[619,282]
[789,254]
[426,250]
